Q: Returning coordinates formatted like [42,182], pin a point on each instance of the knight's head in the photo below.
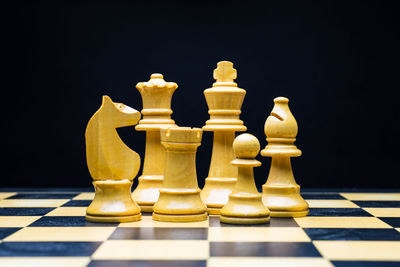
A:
[119,114]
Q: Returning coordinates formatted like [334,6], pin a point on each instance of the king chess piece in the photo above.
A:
[224,101]
[281,193]
[112,164]
[156,97]
[245,204]
[179,199]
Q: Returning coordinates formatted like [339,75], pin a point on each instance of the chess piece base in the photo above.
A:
[284,201]
[180,218]
[147,191]
[289,213]
[179,205]
[245,208]
[113,202]
[215,193]
[108,219]
[237,220]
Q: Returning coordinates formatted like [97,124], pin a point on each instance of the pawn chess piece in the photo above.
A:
[156,97]
[281,193]
[245,204]
[179,199]
[224,101]
[112,164]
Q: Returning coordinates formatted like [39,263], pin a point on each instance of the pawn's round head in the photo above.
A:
[246,146]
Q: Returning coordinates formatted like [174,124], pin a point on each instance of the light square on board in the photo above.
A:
[255,234]
[341,222]
[384,212]
[17,221]
[270,261]
[6,195]
[84,196]
[359,250]
[61,234]
[26,203]
[68,211]
[153,250]
[44,261]
[331,203]
[371,196]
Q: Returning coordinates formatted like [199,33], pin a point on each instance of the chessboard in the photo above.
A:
[48,228]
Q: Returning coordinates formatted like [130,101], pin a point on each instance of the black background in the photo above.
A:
[337,62]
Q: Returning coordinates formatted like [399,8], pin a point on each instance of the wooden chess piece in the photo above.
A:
[281,193]
[224,101]
[179,199]
[245,204]
[156,97]
[112,164]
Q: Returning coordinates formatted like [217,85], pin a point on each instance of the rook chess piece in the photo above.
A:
[224,101]
[281,193]
[179,199]
[245,204]
[156,97]
[112,164]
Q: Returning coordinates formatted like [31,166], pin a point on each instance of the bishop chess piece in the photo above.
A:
[245,204]
[112,164]
[156,97]
[281,193]
[224,101]
[179,199]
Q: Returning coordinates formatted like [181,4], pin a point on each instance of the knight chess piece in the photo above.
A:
[245,204]
[224,101]
[112,164]
[179,199]
[281,193]
[156,97]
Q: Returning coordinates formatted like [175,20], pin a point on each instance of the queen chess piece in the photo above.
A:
[156,97]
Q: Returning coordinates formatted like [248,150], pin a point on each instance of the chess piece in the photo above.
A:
[112,164]
[281,193]
[179,199]
[224,101]
[156,97]
[245,204]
